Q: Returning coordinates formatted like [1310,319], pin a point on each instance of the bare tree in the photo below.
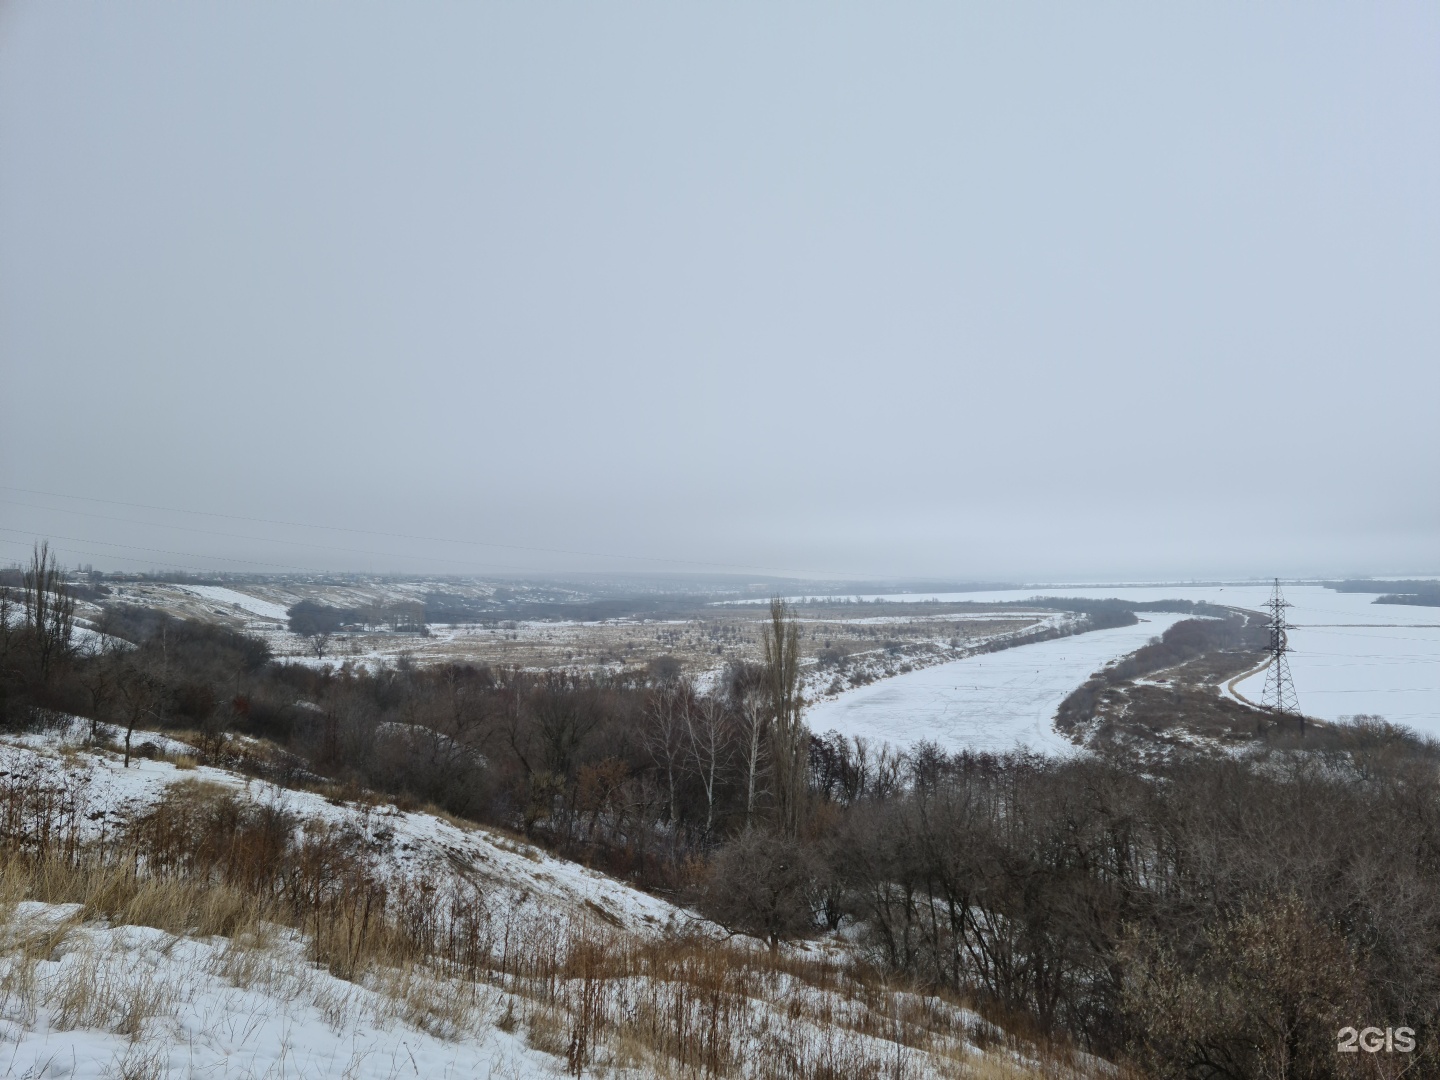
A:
[102,675]
[465,718]
[761,883]
[519,733]
[140,693]
[564,714]
[757,740]
[664,736]
[753,722]
[7,610]
[709,747]
[789,738]
[862,765]
[49,610]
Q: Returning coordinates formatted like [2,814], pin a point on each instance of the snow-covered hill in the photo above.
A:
[404,846]
[564,969]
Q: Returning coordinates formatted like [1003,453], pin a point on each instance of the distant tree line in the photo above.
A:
[311,619]
[449,608]
[1112,611]
[1425,593]
[1425,599]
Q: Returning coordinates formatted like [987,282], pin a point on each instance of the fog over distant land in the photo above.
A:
[1006,293]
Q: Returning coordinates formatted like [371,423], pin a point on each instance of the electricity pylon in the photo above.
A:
[1279,695]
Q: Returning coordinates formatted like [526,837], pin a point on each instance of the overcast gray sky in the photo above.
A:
[985,290]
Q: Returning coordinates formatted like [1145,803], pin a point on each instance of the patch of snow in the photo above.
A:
[244,601]
[75,732]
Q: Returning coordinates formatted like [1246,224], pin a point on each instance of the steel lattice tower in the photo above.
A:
[1279,695]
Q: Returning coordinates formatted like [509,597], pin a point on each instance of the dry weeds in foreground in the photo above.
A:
[291,896]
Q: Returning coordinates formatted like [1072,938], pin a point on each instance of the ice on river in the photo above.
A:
[994,701]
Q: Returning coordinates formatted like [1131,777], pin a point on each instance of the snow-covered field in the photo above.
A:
[1350,655]
[244,601]
[994,701]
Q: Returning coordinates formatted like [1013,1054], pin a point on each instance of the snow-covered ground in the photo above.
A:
[993,701]
[83,638]
[135,1001]
[244,601]
[181,1006]
[1350,655]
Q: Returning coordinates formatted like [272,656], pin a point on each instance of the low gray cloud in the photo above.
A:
[1028,292]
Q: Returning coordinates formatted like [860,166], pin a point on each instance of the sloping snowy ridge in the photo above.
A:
[171,920]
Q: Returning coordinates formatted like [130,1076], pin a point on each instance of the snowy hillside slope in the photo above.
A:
[134,1001]
[107,967]
[252,605]
[406,846]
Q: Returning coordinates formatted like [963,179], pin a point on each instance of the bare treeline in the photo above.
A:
[37,618]
[1213,917]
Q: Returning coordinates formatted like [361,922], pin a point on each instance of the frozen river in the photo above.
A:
[996,701]
[1350,656]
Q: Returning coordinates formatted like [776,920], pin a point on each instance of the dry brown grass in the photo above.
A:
[94,993]
[82,987]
